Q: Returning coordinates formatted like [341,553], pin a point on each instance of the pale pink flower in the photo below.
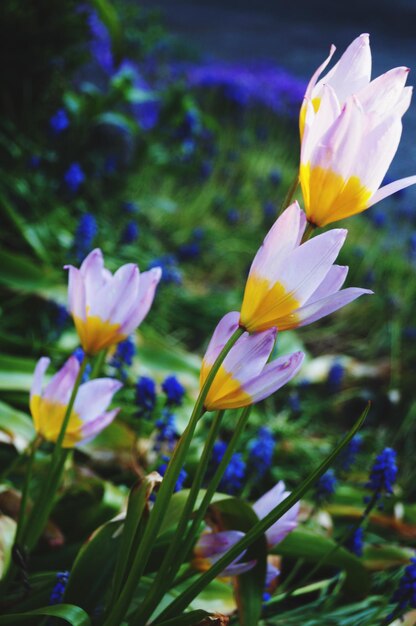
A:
[89,415]
[350,128]
[106,308]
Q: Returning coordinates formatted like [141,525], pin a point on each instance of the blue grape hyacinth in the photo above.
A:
[383,474]
[145,396]
[173,390]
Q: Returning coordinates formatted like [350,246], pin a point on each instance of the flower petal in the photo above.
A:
[91,428]
[353,70]
[62,383]
[146,292]
[288,522]
[317,309]
[222,333]
[282,238]
[40,369]
[388,190]
[77,301]
[94,396]
[274,376]
[332,282]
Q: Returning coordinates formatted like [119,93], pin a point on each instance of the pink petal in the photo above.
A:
[353,70]
[235,569]
[222,333]
[383,94]
[332,282]
[213,544]
[317,124]
[317,309]
[249,355]
[308,265]
[76,293]
[318,72]
[337,149]
[90,429]
[288,522]
[282,238]
[376,151]
[92,270]
[114,299]
[388,190]
[40,369]
[60,386]
[94,397]
[146,292]
[272,573]
[274,376]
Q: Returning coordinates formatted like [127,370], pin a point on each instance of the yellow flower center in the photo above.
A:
[48,417]
[267,305]
[96,334]
[328,197]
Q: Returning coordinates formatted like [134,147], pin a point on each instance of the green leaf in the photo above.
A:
[93,569]
[74,615]
[236,514]
[381,557]
[20,273]
[7,533]
[311,546]
[27,232]
[16,425]
[139,497]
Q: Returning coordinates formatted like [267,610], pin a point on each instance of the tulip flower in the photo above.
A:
[350,129]
[245,377]
[210,547]
[107,308]
[88,416]
[292,284]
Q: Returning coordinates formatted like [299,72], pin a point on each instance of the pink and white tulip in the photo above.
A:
[292,284]
[89,415]
[350,129]
[210,547]
[245,377]
[106,308]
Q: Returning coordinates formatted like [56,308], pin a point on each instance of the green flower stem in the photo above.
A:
[25,492]
[58,444]
[118,610]
[36,522]
[216,479]
[175,555]
[185,546]
[310,228]
[99,362]
[181,603]
[290,193]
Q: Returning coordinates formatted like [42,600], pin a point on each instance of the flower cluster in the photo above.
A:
[105,309]
[383,474]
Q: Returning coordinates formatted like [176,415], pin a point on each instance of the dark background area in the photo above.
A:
[297,35]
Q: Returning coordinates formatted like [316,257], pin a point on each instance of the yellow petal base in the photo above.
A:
[96,334]
[225,392]
[267,306]
[48,417]
[328,197]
